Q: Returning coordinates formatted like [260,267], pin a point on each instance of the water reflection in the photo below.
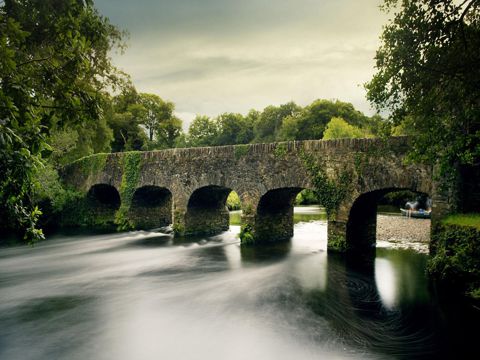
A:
[386,282]
[145,295]
[269,253]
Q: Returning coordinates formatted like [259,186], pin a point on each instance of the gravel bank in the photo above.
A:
[403,233]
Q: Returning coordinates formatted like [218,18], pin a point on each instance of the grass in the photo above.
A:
[472,220]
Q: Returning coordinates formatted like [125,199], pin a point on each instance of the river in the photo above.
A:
[144,295]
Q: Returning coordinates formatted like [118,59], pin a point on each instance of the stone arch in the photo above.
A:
[207,212]
[103,201]
[361,229]
[274,215]
[151,207]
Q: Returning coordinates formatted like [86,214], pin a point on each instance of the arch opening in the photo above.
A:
[367,220]
[234,206]
[207,212]
[152,207]
[104,196]
[103,201]
[274,217]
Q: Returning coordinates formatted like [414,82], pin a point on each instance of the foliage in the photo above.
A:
[53,197]
[203,131]
[456,260]
[306,197]
[54,70]
[49,188]
[246,235]
[472,220]
[154,111]
[338,128]
[428,78]
[93,164]
[277,123]
[178,226]
[72,143]
[225,129]
[330,192]
[241,150]
[167,133]
[132,162]
[123,114]
[156,116]
[271,120]
[337,243]
[233,129]
[280,150]
[310,122]
[233,201]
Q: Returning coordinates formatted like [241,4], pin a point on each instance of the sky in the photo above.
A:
[216,56]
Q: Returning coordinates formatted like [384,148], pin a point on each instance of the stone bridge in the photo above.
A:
[189,187]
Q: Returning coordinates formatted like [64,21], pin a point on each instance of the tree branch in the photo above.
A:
[34,60]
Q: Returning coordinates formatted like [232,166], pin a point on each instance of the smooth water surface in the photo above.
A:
[144,295]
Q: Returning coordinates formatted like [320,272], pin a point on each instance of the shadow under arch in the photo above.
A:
[207,213]
[103,200]
[274,216]
[152,207]
[362,220]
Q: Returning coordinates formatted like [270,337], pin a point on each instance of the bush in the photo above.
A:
[456,260]
[306,197]
[233,201]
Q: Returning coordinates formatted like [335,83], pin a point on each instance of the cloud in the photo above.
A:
[214,56]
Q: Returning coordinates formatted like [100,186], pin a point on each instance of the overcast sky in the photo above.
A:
[215,56]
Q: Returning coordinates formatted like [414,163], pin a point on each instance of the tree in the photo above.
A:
[76,141]
[156,111]
[54,71]
[203,131]
[428,78]
[338,128]
[127,133]
[167,133]
[310,123]
[271,120]
[233,129]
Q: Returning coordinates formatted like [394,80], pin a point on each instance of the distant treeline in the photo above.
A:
[139,121]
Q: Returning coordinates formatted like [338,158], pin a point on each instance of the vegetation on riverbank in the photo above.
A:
[456,256]
[469,220]
[233,201]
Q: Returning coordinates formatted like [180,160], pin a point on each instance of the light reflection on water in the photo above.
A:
[144,295]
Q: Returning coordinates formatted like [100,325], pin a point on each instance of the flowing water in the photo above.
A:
[144,295]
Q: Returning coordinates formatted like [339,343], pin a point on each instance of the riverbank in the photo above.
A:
[400,232]
[456,255]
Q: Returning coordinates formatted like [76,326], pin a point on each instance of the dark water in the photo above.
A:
[142,295]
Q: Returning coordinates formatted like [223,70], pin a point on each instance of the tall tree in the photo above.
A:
[203,131]
[54,69]
[233,129]
[168,132]
[271,119]
[156,112]
[428,78]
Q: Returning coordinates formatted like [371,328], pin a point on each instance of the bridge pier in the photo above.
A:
[204,214]
[337,235]
[101,201]
[272,219]
[151,208]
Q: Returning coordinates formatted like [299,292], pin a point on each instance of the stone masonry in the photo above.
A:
[188,187]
